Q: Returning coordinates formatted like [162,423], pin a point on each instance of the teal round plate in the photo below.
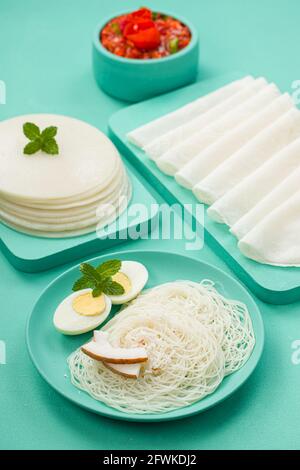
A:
[49,349]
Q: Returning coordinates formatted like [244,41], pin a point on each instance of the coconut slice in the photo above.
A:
[131,371]
[105,352]
[100,336]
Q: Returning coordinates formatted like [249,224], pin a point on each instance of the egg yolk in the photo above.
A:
[124,280]
[87,305]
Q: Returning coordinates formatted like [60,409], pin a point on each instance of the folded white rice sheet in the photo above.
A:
[246,195]
[209,159]
[174,137]
[288,188]
[238,149]
[175,158]
[275,240]
[252,155]
[147,133]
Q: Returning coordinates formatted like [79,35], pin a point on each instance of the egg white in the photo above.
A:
[68,322]
[138,276]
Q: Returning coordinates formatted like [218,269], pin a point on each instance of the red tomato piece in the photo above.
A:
[143,33]
[142,13]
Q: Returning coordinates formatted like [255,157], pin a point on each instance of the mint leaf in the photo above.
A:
[50,146]
[49,133]
[91,273]
[32,147]
[97,292]
[31,131]
[82,283]
[113,288]
[109,268]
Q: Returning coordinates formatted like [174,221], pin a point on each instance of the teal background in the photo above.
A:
[45,50]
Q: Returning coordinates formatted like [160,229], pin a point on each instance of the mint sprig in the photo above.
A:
[44,140]
[99,279]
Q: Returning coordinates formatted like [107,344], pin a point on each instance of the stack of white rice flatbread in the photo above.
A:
[83,187]
[238,150]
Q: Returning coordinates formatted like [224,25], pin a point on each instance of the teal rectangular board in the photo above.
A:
[271,284]
[33,254]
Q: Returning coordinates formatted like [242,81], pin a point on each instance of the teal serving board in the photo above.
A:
[33,254]
[272,284]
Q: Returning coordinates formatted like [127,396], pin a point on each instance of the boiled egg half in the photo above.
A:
[133,277]
[80,312]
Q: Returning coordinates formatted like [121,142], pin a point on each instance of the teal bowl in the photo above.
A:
[135,79]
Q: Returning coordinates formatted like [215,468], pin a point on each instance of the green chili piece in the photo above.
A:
[173,45]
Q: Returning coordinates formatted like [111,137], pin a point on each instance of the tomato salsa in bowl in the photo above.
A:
[140,54]
[144,34]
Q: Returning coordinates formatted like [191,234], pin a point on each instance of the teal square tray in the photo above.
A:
[32,254]
[271,284]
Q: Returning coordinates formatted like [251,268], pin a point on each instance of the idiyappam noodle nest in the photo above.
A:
[194,337]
